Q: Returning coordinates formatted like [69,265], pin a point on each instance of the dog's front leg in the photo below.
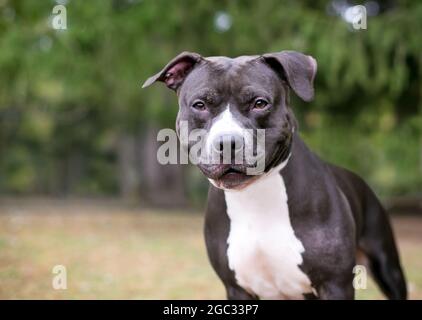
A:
[237,293]
[336,290]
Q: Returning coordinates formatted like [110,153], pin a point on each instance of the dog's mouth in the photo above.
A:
[220,171]
[226,176]
[232,171]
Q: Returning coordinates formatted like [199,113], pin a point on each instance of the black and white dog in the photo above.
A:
[294,230]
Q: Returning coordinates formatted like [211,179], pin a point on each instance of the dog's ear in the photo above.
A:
[297,69]
[175,72]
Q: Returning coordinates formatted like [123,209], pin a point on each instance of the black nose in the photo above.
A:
[232,143]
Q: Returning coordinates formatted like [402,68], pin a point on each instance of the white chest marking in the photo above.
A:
[263,250]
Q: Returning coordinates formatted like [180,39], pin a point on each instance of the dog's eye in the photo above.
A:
[198,105]
[260,104]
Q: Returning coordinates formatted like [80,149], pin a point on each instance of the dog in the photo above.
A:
[293,231]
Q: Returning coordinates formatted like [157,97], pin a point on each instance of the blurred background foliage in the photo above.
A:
[74,120]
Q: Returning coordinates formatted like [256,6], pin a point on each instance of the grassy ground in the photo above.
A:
[113,251]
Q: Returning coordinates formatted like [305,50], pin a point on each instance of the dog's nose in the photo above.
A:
[232,143]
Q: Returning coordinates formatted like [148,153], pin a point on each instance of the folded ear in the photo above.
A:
[297,69]
[175,72]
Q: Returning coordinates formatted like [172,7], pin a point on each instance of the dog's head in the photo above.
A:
[233,100]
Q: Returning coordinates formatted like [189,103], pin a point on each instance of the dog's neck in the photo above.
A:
[260,228]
